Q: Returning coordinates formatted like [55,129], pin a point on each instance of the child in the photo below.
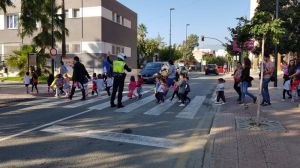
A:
[175,88]
[139,88]
[59,85]
[35,82]
[67,86]
[131,87]
[294,88]
[94,85]
[27,81]
[159,90]
[49,81]
[286,88]
[183,89]
[108,83]
[100,83]
[220,91]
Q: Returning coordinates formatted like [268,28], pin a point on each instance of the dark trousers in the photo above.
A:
[183,97]
[74,88]
[118,86]
[175,93]
[34,85]
[108,90]
[237,88]
[221,95]
[159,97]
[286,92]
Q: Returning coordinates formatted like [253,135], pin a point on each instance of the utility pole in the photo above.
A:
[170,40]
[63,46]
[52,34]
[276,48]
[186,37]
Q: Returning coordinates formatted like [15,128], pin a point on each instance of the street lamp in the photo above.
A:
[276,47]
[170,41]
[63,47]
[52,35]
[186,36]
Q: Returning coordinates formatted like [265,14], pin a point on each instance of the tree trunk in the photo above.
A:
[260,82]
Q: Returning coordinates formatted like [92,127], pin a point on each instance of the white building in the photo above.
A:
[221,53]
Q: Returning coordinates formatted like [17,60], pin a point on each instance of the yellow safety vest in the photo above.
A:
[118,66]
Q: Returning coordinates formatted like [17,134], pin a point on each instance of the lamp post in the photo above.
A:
[170,40]
[186,37]
[276,47]
[63,46]
[52,36]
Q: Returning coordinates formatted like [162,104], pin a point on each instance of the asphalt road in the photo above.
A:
[61,133]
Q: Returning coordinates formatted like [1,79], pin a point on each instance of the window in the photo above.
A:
[113,50]
[12,21]
[76,48]
[118,50]
[76,13]
[67,13]
[122,50]
[67,48]
[118,20]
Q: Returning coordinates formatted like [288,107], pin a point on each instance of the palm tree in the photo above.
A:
[37,11]
[4,4]
[142,31]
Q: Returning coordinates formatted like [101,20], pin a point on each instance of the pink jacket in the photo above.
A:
[132,85]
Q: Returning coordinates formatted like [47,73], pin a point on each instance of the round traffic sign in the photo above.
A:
[53,52]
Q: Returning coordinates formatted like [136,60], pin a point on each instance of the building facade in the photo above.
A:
[96,28]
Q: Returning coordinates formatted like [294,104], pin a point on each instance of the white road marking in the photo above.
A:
[35,101]
[159,109]
[136,104]
[43,126]
[107,104]
[192,108]
[83,103]
[113,136]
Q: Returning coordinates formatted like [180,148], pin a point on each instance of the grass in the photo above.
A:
[42,79]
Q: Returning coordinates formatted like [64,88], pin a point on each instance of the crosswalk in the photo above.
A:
[146,105]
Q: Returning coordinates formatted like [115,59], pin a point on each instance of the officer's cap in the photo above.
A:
[122,56]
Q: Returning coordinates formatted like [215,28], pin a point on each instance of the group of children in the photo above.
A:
[60,85]
[291,87]
[135,87]
[101,81]
[180,86]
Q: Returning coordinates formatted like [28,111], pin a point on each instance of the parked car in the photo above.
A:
[151,70]
[211,69]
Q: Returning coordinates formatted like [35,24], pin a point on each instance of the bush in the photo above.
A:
[220,61]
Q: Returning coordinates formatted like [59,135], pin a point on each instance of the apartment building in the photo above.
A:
[96,28]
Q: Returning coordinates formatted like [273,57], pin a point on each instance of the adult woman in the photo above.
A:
[237,79]
[171,73]
[246,81]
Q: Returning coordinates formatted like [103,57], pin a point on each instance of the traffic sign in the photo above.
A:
[53,52]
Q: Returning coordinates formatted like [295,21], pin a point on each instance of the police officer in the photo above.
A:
[119,67]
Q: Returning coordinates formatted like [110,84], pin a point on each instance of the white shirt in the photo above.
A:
[220,87]
[100,83]
[26,80]
[109,82]
[287,85]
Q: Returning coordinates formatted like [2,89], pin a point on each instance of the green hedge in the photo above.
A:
[42,79]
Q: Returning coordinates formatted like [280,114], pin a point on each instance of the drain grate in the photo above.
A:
[265,125]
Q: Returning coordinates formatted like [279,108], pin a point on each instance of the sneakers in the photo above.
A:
[282,100]
[181,105]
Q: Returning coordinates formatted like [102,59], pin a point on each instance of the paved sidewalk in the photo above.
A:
[230,147]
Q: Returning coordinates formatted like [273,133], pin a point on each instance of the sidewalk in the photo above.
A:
[232,147]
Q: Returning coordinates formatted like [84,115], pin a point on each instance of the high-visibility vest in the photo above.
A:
[118,66]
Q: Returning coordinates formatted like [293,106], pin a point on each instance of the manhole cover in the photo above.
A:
[265,125]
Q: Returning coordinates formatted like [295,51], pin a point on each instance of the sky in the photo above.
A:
[206,17]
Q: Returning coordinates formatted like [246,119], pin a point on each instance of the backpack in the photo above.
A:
[187,87]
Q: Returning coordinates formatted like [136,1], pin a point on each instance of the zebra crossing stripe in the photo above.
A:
[107,104]
[35,101]
[159,109]
[83,103]
[136,104]
[113,136]
[192,108]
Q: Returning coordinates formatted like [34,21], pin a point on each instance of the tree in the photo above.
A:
[4,4]
[36,11]
[19,59]
[189,46]
[220,61]
[263,24]
[141,35]
[176,53]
